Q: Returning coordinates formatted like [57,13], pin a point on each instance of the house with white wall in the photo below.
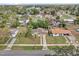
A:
[59,32]
[71,21]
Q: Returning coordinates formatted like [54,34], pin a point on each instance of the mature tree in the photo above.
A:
[58,17]
[33,11]
[40,23]
[76,21]
[62,24]
[29,30]
[53,12]
[15,24]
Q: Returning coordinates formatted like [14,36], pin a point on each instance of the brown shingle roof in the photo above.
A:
[60,31]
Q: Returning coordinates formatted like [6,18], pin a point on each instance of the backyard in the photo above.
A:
[65,17]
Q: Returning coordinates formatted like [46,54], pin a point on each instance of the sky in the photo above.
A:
[39,1]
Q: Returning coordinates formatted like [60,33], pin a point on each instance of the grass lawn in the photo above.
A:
[27,48]
[22,29]
[65,17]
[56,40]
[2,47]
[60,47]
[53,47]
[4,35]
[27,40]
[21,39]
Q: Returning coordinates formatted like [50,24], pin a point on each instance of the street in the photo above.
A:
[24,53]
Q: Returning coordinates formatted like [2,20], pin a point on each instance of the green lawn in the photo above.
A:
[56,40]
[65,17]
[2,47]
[54,47]
[60,47]
[27,48]
[27,40]
[4,35]
[21,39]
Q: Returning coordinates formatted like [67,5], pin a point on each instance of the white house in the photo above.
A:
[39,31]
[59,32]
[23,22]
[69,20]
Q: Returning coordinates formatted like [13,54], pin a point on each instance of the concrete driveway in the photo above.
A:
[15,31]
[72,39]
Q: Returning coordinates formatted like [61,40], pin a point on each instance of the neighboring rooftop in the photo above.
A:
[60,31]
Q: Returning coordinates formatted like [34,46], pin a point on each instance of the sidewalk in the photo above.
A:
[39,45]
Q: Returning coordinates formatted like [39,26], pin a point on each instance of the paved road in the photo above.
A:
[24,53]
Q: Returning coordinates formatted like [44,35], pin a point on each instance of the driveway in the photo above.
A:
[72,39]
[15,31]
[44,42]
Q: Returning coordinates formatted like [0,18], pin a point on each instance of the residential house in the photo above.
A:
[48,16]
[23,22]
[70,21]
[59,32]
[39,16]
[55,23]
[39,31]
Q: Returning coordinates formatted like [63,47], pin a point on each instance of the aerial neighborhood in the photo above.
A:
[40,27]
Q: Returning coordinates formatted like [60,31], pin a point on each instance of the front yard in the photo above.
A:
[4,35]
[56,40]
[2,47]
[27,40]
[21,39]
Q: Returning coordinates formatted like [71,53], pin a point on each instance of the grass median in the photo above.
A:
[27,48]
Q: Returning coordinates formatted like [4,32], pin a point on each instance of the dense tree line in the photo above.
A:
[39,23]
